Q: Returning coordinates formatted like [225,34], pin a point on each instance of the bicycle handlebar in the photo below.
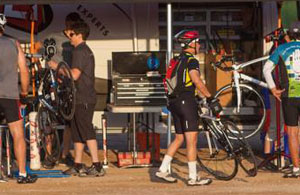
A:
[223,59]
[29,55]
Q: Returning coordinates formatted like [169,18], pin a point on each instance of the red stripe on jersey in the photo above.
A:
[19,108]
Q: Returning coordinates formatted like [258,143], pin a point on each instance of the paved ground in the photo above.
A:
[141,181]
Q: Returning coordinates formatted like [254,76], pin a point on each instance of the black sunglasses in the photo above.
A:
[72,34]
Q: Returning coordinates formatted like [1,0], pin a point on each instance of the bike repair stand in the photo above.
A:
[104,140]
[3,177]
[278,153]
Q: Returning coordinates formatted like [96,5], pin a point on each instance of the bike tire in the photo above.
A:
[48,89]
[252,115]
[215,159]
[242,150]
[65,91]
[48,133]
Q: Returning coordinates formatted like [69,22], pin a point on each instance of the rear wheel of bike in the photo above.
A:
[251,117]
[65,91]
[242,149]
[48,125]
[215,157]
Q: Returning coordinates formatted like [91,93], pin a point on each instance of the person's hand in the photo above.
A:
[214,105]
[277,93]
[52,64]
[211,99]
[23,98]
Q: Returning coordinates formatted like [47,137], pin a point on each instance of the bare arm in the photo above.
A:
[24,72]
[75,73]
[195,76]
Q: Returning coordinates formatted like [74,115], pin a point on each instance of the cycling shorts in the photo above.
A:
[184,111]
[11,109]
[291,111]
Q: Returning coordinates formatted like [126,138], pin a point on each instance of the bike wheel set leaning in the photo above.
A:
[65,91]
[49,138]
[251,114]
[220,156]
[241,149]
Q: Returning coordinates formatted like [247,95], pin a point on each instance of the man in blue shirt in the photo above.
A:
[287,57]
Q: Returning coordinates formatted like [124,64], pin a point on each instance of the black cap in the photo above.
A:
[295,27]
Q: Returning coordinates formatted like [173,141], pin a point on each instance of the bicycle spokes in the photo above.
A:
[65,91]
[215,159]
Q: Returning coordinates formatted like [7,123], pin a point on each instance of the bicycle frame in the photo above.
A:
[237,77]
[42,98]
[213,129]
[217,133]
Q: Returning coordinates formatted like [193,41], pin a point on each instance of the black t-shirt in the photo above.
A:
[83,59]
[188,63]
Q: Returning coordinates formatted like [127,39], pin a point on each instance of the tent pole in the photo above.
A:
[134,28]
[169,56]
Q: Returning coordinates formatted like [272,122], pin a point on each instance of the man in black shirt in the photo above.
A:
[83,72]
[63,53]
[183,107]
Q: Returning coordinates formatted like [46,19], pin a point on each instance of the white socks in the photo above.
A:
[295,169]
[192,166]
[192,169]
[23,174]
[165,163]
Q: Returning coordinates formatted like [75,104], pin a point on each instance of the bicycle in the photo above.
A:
[56,97]
[219,155]
[245,101]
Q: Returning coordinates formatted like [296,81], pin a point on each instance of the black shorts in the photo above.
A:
[11,109]
[184,111]
[81,125]
[291,111]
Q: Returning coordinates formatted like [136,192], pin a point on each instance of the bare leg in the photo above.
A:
[172,149]
[176,143]
[17,131]
[78,151]
[191,145]
[49,139]
[267,144]
[293,132]
[92,145]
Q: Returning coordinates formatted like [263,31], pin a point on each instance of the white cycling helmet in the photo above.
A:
[2,19]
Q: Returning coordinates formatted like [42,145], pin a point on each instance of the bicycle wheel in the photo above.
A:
[215,157]
[49,138]
[241,149]
[251,117]
[65,91]
[47,88]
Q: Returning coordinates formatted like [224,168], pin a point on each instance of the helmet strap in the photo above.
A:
[188,45]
